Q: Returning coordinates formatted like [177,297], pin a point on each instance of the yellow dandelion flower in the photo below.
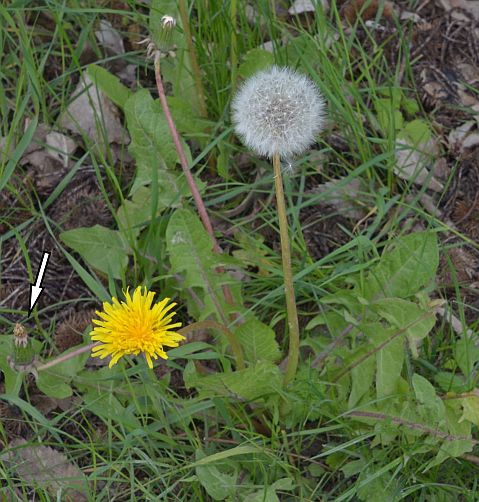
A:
[135,326]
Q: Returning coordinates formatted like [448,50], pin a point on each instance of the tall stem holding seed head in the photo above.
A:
[293,325]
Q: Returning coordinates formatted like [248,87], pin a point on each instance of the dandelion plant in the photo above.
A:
[278,113]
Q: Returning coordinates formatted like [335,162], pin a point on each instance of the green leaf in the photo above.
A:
[258,341]
[191,254]
[455,427]
[408,264]
[151,143]
[406,315]
[410,106]
[389,360]
[55,381]
[109,84]
[259,381]
[104,249]
[388,115]
[426,395]
[13,379]
[470,407]
[449,382]
[255,61]
[51,386]
[185,119]
[362,377]
[418,132]
[218,483]
[105,405]
[135,213]
[466,354]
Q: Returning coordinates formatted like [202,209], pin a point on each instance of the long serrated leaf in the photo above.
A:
[49,468]
[406,266]
[258,341]
[151,143]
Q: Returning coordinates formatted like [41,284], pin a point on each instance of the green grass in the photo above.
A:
[137,436]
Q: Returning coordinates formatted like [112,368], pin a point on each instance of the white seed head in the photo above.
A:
[278,112]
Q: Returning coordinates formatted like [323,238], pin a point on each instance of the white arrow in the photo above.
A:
[36,289]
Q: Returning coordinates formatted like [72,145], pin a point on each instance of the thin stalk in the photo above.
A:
[210,324]
[195,67]
[66,357]
[233,44]
[200,206]
[293,325]
[235,346]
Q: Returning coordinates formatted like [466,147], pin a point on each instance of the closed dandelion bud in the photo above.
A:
[167,26]
[23,353]
[278,112]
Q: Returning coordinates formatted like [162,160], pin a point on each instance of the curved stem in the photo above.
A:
[293,325]
[209,324]
[65,357]
[189,178]
[235,346]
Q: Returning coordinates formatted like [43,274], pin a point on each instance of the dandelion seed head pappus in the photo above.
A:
[278,112]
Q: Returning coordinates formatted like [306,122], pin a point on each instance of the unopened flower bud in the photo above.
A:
[167,26]
[23,353]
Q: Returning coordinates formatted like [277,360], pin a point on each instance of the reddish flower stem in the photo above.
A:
[200,206]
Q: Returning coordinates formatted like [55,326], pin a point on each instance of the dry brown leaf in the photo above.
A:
[415,18]
[49,155]
[463,137]
[93,114]
[61,147]
[346,198]
[110,38]
[413,163]
[471,140]
[48,468]
[366,9]
[302,6]
[470,6]
[457,135]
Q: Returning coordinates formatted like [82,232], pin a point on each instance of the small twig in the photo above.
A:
[411,425]
[210,324]
[337,341]
[66,357]
[381,346]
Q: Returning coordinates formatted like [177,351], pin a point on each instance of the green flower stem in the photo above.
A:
[293,325]
[233,44]
[185,21]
